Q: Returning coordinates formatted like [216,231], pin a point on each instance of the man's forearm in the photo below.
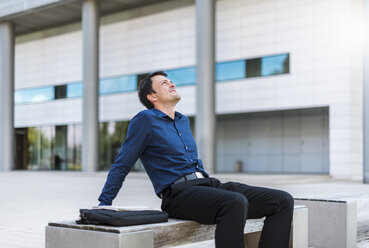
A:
[114,182]
[138,137]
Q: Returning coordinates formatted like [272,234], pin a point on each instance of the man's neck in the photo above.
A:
[168,110]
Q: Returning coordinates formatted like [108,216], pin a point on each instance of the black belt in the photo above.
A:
[188,177]
[191,176]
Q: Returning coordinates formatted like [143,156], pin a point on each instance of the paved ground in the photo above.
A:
[29,200]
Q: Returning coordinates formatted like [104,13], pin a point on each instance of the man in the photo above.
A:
[162,139]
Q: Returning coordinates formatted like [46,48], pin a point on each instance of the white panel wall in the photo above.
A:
[142,44]
[58,112]
[356,115]
[49,61]
[325,63]
[125,106]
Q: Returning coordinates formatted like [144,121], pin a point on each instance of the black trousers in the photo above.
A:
[228,205]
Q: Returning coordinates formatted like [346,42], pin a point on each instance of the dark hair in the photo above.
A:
[145,88]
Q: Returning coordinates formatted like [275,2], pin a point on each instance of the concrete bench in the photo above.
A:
[170,234]
[332,222]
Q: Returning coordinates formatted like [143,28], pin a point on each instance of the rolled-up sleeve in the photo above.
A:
[137,139]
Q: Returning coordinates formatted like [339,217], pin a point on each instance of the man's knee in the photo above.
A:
[234,206]
[240,200]
[238,203]
[287,201]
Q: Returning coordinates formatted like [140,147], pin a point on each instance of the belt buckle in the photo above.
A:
[199,175]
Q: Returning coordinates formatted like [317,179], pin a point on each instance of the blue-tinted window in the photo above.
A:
[182,76]
[118,84]
[255,67]
[277,64]
[74,90]
[230,70]
[34,95]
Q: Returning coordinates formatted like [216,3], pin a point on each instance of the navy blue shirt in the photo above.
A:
[165,146]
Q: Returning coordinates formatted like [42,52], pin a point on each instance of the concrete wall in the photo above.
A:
[325,63]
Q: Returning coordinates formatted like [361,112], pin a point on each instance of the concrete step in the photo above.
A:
[203,244]
[211,244]
[364,244]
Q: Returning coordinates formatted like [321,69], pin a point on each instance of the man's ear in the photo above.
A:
[151,97]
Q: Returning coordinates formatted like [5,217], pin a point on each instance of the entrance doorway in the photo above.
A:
[21,153]
[288,141]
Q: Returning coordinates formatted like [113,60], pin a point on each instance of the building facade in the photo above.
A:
[288,84]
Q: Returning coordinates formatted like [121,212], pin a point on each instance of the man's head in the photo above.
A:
[156,89]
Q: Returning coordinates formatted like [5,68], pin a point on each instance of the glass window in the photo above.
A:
[60,148]
[74,147]
[277,64]
[74,90]
[40,148]
[33,147]
[140,77]
[182,76]
[118,84]
[230,70]
[34,95]
[104,146]
[60,91]
[47,144]
[112,135]
[256,67]
[253,67]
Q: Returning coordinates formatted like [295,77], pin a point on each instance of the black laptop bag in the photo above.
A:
[121,218]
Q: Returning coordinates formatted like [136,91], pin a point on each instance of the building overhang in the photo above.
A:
[34,15]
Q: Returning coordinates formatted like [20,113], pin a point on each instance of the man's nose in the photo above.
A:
[172,85]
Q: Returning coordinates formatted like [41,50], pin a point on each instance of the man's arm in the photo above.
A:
[138,137]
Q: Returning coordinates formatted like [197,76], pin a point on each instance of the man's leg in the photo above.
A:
[276,205]
[208,205]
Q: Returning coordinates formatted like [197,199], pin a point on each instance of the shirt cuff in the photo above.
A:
[104,204]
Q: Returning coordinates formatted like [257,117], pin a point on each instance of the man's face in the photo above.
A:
[165,91]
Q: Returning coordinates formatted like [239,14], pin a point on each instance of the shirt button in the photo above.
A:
[180,134]
[186,147]
[191,160]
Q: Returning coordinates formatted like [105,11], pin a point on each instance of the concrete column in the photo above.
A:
[366,93]
[90,125]
[7,135]
[205,108]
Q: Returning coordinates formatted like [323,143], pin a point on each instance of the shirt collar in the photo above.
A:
[163,115]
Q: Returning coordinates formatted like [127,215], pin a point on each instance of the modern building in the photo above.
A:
[288,80]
